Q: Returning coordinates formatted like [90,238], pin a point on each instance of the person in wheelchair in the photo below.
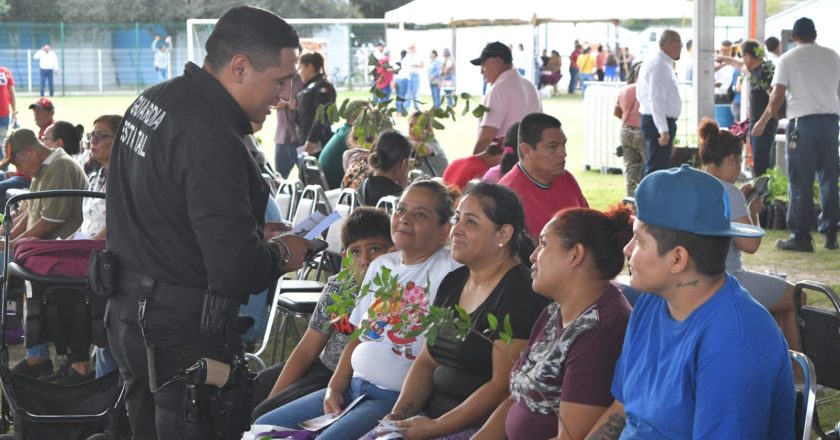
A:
[365,235]
[48,218]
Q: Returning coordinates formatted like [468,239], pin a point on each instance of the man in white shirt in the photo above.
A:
[659,101]
[723,75]
[808,77]
[511,98]
[162,56]
[413,64]
[48,63]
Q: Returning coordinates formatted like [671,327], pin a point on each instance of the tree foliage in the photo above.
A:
[376,8]
[116,11]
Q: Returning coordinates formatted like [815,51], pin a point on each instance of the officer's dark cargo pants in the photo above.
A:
[173,330]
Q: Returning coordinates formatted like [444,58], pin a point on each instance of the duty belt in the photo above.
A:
[139,285]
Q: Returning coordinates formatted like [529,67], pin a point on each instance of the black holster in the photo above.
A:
[228,409]
[102,273]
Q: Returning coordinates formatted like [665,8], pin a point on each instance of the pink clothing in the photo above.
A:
[462,170]
[511,98]
[629,106]
[600,60]
[384,76]
[542,202]
[493,175]
[6,81]
[286,132]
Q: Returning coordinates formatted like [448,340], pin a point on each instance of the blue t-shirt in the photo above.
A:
[723,372]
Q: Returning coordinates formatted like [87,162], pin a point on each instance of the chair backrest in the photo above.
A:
[312,199]
[311,173]
[287,197]
[388,203]
[272,185]
[819,337]
[334,232]
[807,398]
[349,196]
[819,331]
[416,175]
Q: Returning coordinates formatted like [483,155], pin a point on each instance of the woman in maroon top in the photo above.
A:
[560,385]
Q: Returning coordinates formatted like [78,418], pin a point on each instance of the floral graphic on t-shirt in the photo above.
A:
[399,316]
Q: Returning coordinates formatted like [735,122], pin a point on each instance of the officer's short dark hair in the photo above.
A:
[256,33]
[365,222]
[532,126]
[707,252]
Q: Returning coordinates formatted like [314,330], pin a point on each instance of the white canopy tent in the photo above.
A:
[484,12]
[470,24]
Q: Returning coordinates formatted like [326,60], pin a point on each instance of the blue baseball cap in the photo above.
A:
[688,200]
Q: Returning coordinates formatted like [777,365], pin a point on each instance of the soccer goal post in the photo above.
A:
[345,44]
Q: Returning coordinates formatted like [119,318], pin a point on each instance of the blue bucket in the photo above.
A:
[723,115]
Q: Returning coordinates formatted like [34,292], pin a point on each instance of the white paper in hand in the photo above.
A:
[314,225]
[321,422]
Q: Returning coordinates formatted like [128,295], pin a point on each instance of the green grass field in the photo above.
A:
[600,189]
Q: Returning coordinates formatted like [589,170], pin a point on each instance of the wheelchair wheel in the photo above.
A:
[100,436]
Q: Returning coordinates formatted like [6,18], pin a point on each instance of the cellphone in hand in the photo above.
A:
[759,188]
[319,246]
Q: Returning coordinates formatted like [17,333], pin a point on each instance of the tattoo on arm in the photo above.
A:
[610,430]
[404,411]
[692,283]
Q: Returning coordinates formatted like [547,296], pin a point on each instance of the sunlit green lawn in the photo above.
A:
[601,190]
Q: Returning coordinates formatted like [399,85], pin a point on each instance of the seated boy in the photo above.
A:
[366,234]
[701,358]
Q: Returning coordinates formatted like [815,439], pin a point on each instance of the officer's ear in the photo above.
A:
[238,67]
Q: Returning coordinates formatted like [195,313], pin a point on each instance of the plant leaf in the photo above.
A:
[480,111]
[492,321]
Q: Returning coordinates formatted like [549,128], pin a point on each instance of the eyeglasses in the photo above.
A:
[97,136]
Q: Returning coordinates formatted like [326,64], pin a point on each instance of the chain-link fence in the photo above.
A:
[345,44]
[120,57]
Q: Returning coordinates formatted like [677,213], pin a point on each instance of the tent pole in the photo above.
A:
[704,20]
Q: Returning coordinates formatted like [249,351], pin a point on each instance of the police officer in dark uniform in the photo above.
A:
[316,91]
[186,205]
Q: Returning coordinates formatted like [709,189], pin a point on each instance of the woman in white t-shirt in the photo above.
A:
[377,363]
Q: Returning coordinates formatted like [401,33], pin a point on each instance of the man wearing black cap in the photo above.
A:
[511,98]
[809,78]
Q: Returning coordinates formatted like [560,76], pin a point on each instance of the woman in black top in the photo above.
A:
[457,384]
[389,161]
[316,91]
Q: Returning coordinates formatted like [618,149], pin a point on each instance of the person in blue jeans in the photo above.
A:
[257,307]
[403,82]
[286,137]
[435,77]
[813,108]
[384,352]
